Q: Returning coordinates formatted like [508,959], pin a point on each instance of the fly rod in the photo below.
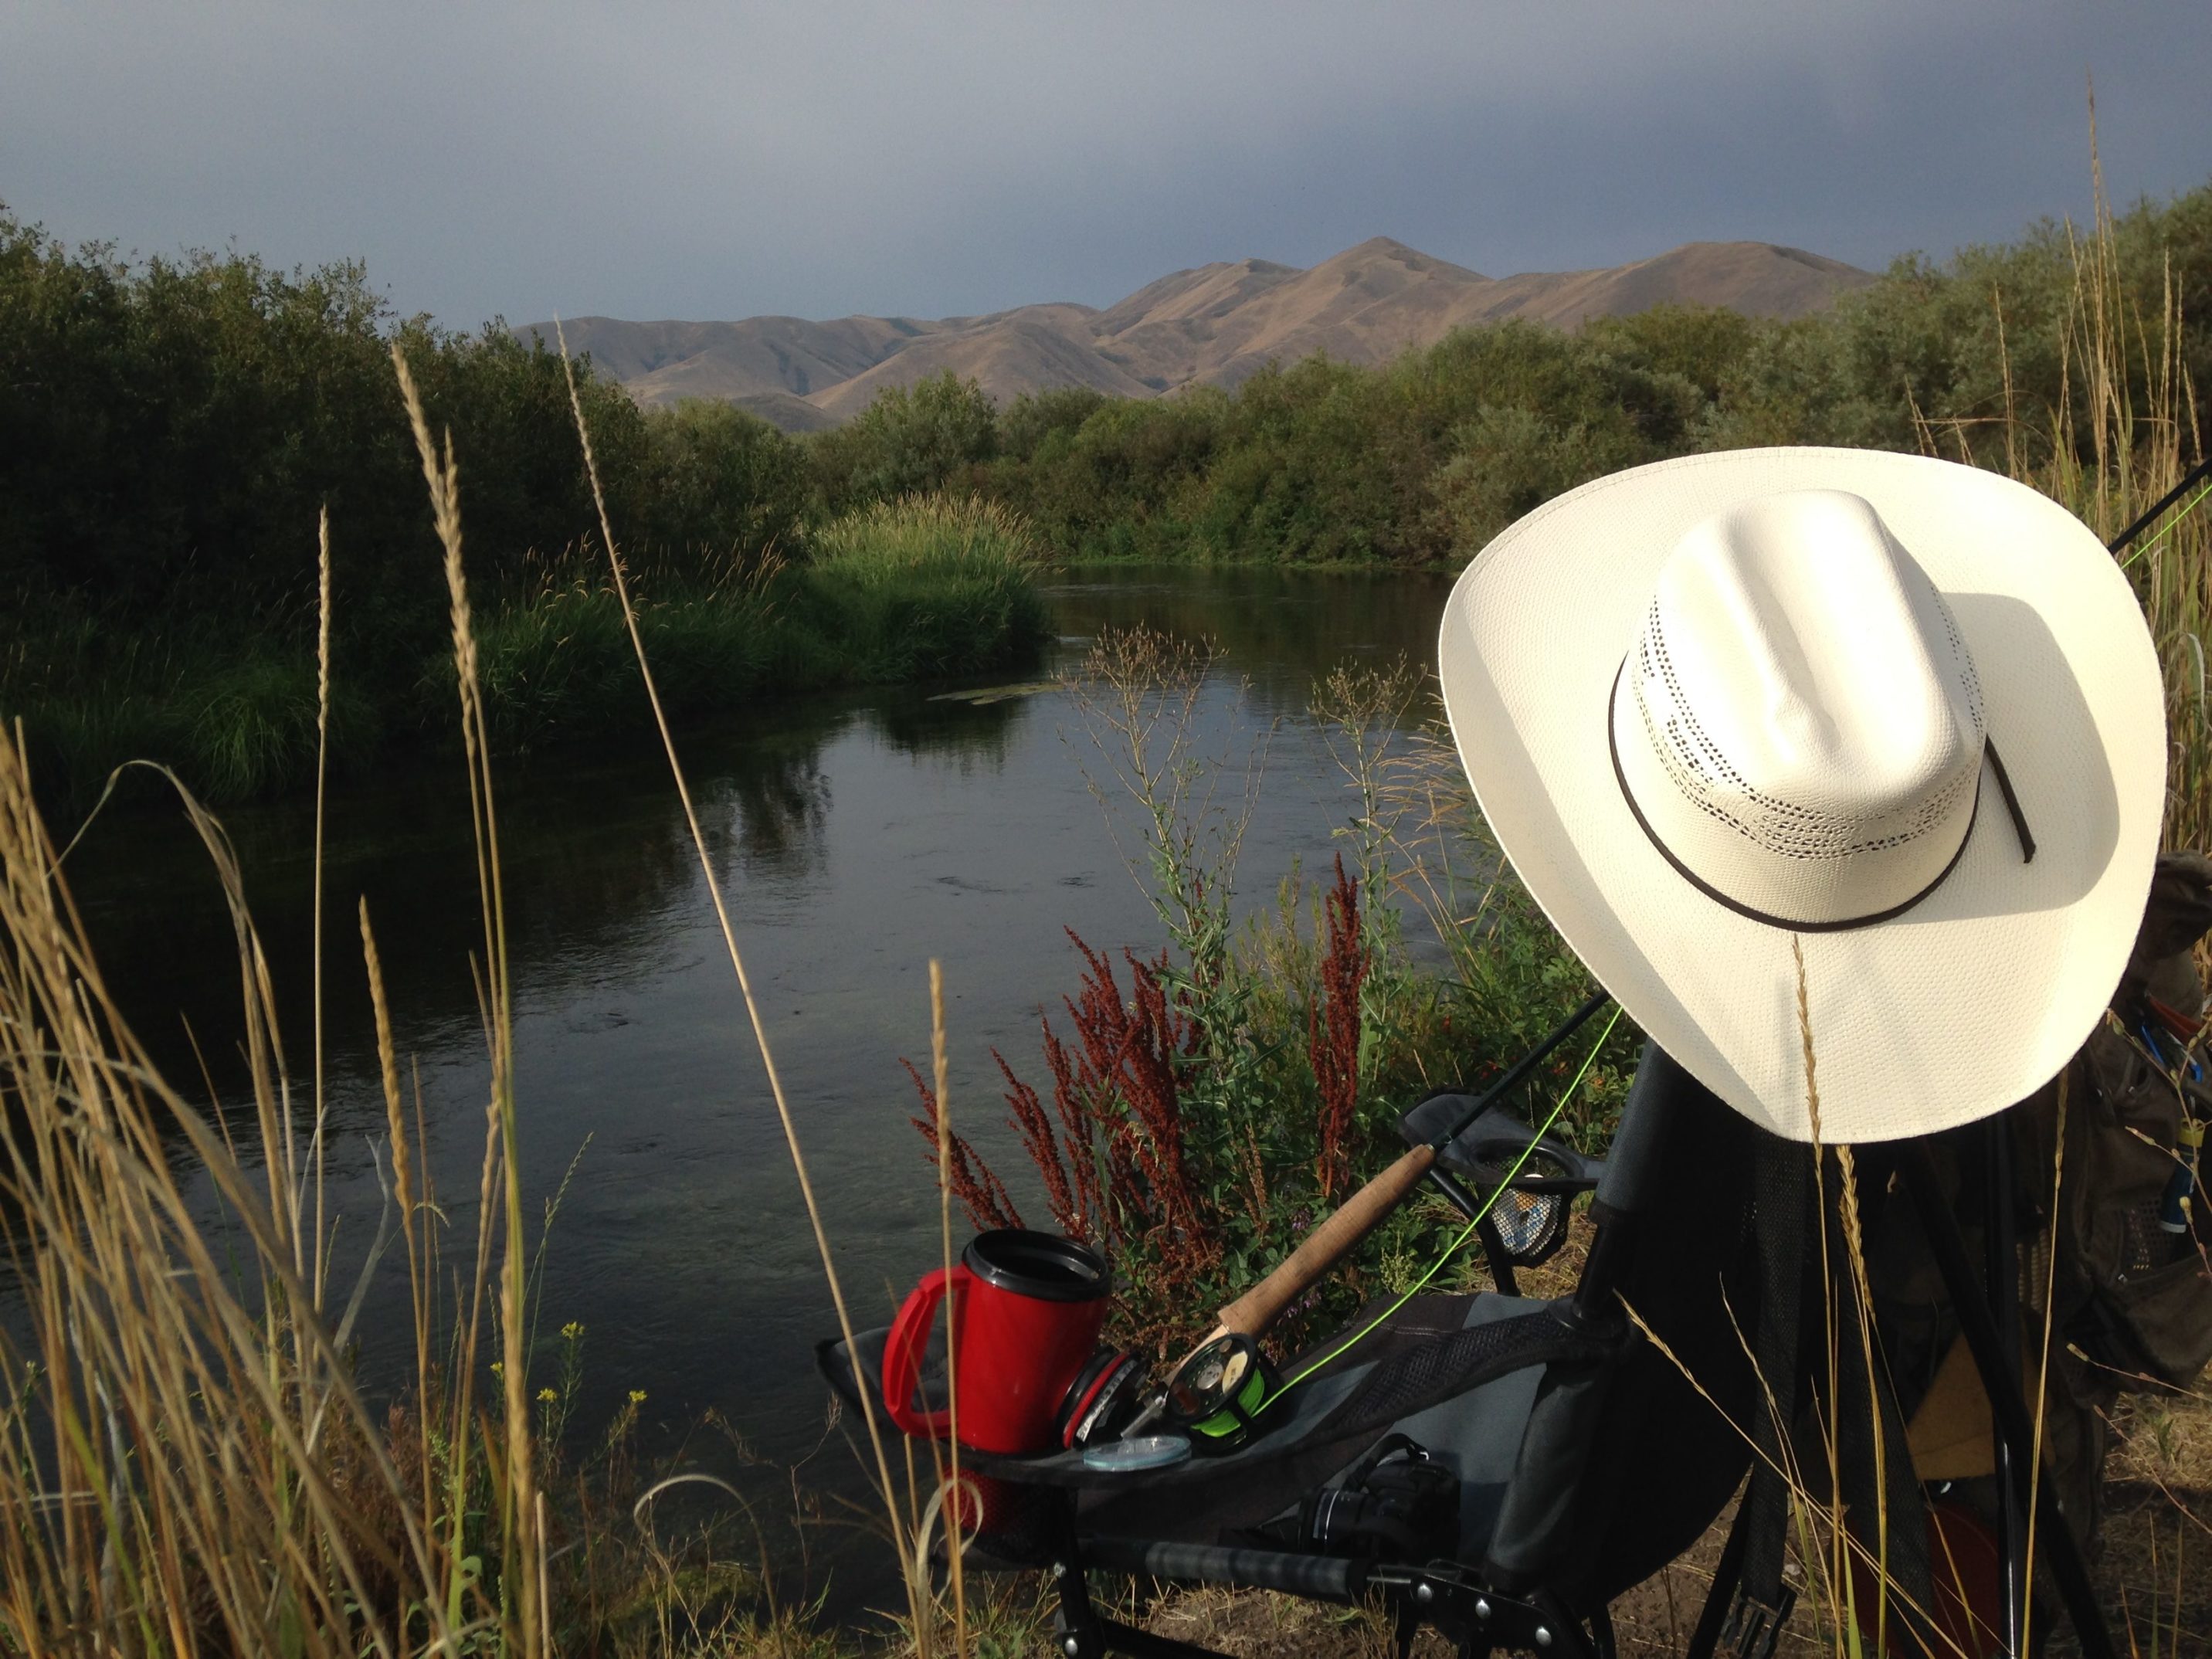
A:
[1222,1367]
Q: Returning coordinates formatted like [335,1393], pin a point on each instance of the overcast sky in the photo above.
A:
[698,161]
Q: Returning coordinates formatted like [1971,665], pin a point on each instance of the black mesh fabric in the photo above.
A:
[1433,1371]
[1439,1352]
[1666,1452]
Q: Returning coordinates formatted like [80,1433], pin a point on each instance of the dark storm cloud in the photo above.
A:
[698,161]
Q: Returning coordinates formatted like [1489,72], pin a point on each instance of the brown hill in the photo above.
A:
[1031,350]
[1756,278]
[1214,325]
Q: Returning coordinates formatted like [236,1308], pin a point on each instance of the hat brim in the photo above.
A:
[1970,1001]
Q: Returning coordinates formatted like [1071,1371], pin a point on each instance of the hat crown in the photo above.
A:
[1799,726]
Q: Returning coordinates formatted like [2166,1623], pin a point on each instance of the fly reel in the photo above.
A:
[1215,1394]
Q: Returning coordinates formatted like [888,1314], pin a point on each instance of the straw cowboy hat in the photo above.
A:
[1903,713]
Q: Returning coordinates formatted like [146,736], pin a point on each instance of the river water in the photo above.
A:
[853,838]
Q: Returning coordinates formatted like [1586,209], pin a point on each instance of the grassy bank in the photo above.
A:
[1193,1111]
[921,588]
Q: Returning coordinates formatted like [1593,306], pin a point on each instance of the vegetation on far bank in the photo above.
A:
[1422,460]
[170,433]
[170,429]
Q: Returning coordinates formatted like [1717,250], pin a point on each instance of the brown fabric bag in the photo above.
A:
[2130,1303]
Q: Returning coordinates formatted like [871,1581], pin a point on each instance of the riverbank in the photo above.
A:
[922,589]
[916,827]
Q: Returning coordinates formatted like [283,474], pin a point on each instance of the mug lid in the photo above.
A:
[1044,1265]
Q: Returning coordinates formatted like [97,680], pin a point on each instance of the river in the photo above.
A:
[854,838]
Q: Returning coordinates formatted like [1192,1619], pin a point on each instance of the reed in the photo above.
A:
[185,1465]
[521,1532]
[908,1531]
[2120,436]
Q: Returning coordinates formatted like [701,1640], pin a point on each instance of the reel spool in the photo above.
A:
[1216,1394]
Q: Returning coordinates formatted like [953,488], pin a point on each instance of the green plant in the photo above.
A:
[1203,1112]
[926,587]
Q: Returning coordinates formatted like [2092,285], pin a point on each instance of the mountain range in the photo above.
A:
[1213,326]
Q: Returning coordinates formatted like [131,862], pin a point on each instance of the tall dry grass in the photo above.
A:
[185,1463]
[930,1499]
[184,1451]
[2121,437]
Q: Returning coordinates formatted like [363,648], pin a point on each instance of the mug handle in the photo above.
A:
[903,1353]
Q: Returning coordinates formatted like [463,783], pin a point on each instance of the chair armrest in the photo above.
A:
[1486,1148]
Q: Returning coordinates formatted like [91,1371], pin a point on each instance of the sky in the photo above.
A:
[929,159]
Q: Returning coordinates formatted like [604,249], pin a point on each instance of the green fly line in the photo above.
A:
[1466,1232]
[2180,513]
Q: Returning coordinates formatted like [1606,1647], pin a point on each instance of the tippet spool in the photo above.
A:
[1104,1398]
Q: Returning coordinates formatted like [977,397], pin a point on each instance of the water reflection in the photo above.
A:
[853,839]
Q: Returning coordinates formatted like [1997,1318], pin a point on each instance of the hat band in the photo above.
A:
[1847,923]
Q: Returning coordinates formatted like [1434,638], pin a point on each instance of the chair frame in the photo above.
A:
[1481,1611]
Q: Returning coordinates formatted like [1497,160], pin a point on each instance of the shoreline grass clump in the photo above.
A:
[928,585]
[920,589]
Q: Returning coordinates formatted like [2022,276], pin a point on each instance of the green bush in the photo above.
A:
[721,484]
[170,431]
[1034,416]
[927,437]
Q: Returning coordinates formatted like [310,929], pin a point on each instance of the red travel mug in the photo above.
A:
[1025,1317]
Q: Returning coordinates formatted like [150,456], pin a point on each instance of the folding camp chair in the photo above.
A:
[1588,1440]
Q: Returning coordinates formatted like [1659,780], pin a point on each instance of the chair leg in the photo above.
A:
[1728,1578]
[2008,1409]
[1407,1625]
[1081,1631]
[1600,1630]
[2001,1275]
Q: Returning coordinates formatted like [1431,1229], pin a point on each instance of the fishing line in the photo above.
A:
[2170,523]
[2150,517]
[1466,1232]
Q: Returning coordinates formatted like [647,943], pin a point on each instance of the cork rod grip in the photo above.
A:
[1253,1312]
